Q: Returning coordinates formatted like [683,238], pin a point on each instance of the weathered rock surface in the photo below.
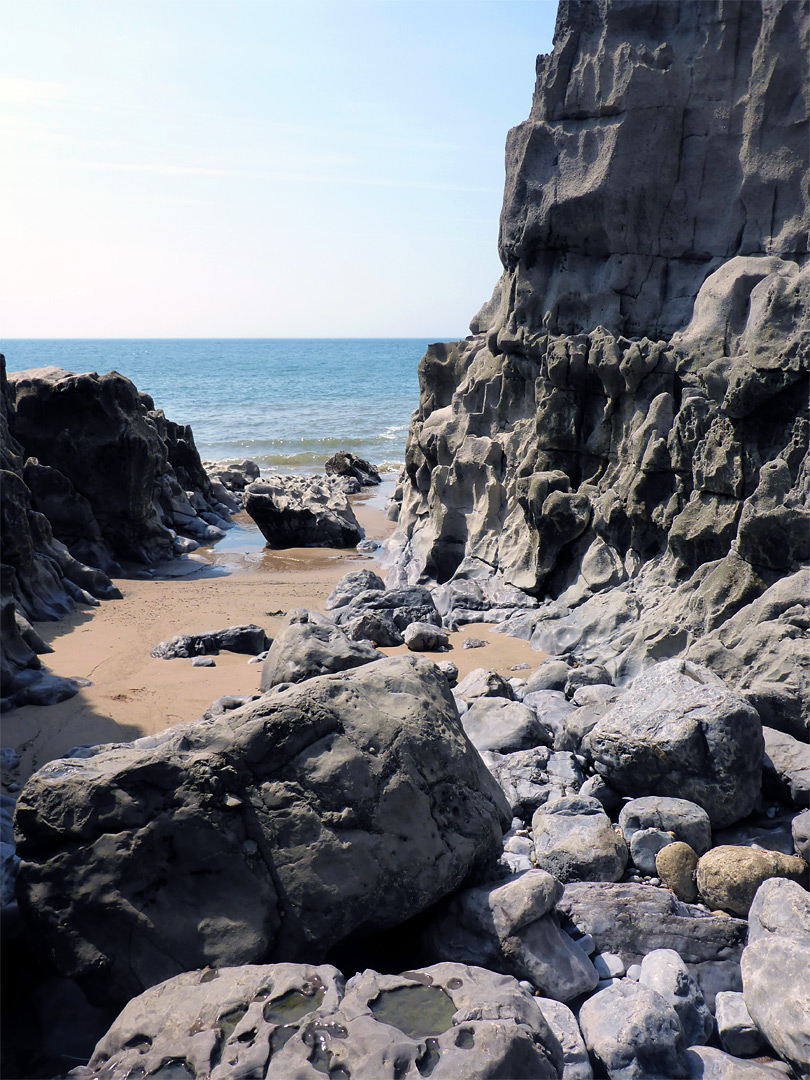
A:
[624,435]
[575,841]
[665,972]
[675,865]
[736,1030]
[250,639]
[728,877]
[709,1063]
[293,511]
[576,1063]
[344,463]
[686,820]
[787,766]
[777,995]
[309,644]
[284,1020]
[342,806]
[681,732]
[501,725]
[510,927]
[633,1032]
[800,830]
[780,906]
[424,637]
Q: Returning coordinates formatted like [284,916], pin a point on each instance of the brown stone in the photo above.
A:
[675,865]
[728,876]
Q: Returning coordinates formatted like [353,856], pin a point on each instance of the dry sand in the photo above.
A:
[133,694]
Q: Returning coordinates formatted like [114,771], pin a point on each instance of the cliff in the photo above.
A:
[615,463]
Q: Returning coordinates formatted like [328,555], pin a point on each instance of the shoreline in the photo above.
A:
[133,694]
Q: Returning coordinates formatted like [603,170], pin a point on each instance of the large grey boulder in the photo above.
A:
[780,906]
[342,806]
[709,1063]
[575,841]
[294,511]
[736,1030]
[403,606]
[800,830]
[777,995]
[665,972]
[679,731]
[308,645]
[502,725]
[576,1063]
[356,581]
[633,1033]
[288,1020]
[787,766]
[510,927]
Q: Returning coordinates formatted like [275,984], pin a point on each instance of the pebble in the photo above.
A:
[203,661]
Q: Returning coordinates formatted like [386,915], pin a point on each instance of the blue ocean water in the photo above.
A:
[287,403]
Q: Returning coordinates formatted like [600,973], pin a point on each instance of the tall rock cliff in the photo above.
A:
[620,449]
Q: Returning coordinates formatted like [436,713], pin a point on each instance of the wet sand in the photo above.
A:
[133,694]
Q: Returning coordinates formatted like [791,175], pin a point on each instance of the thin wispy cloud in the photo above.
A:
[30,91]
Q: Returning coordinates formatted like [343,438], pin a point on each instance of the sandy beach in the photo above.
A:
[133,694]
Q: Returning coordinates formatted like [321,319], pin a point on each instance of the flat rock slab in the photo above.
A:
[275,830]
[249,639]
[278,1021]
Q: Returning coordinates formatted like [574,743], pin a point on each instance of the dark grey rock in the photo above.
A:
[376,627]
[474,643]
[663,970]
[302,512]
[309,645]
[688,821]
[786,768]
[249,639]
[551,675]
[344,463]
[680,732]
[277,1019]
[645,844]
[502,725]
[554,715]
[575,841]
[633,1032]
[800,828]
[595,787]
[523,778]
[449,670]
[738,1033]
[402,606]
[509,926]
[363,797]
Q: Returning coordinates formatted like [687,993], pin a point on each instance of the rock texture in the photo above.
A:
[274,830]
[294,1020]
[294,511]
[624,435]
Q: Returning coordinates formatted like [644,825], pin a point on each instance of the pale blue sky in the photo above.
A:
[243,168]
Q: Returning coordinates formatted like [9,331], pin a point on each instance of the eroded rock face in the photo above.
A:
[294,511]
[270,831]
[283,1020]
[625,432]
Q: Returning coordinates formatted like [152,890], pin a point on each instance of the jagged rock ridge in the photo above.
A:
[625,434]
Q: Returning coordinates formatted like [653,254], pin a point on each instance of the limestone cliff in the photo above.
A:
[624,437]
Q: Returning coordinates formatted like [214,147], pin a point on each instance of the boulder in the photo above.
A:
[402,606]
[645,846]
[709,1063]
[356,581]
[780,906]
[509,926]
[343,806]
[686,820]
[664,971]
[675,865]
[249,639]
[481,683]
[284,1020]
[576,1063]
[679,731]
[308,645]
[737,1032]
[800,828]
[523,778]
[633,1033]
[575,841]
[302,512]
[344,463]
[631,920]
[777,995]
[728,877]
[425,637]
[376,627]
[495,723]
[786,768]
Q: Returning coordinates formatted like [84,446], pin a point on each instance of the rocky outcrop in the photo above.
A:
[272,831]
[624,436]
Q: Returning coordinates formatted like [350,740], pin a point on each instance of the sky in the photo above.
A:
[256,168]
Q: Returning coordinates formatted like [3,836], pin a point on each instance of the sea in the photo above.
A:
[286,403]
